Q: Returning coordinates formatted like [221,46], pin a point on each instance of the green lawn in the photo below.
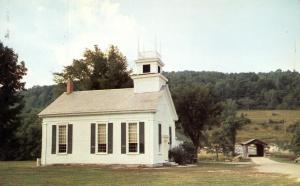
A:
[25,173]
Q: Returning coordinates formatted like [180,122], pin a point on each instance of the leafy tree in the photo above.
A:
[29,135]
[225,136]
[230,127]
[97,70]
[198,109]
[11,104]
[295,142]
[216,141]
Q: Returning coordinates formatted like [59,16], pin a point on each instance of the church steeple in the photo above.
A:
[147,75]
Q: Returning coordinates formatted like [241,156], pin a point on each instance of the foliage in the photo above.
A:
[183,154]
[29,133]
[272,90]
[198,109]
[229,132]
[97,70]
[295,143]
[11,103]
[224,137]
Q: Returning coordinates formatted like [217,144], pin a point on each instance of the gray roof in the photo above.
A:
[103,101]
[253,141]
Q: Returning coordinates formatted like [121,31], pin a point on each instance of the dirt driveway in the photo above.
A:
[267,165]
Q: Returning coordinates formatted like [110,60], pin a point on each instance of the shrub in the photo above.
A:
[182,154]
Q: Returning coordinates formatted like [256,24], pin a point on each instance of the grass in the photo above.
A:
[283,157]
[268,125]
[282,160]
[25,173]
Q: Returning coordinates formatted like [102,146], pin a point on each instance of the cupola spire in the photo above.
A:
[147,75]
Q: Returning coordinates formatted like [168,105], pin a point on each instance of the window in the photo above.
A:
[132,137]
[102,138]
[158,69]
[146,68]
[62,139]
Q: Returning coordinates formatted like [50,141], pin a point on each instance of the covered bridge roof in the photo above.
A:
[253,141]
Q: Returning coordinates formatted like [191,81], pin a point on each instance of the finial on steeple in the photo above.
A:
[138,46]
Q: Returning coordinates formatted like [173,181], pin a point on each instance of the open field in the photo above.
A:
[271,126]
[25,173]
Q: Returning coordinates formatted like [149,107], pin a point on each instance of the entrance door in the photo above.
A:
[259,150]
[166,147]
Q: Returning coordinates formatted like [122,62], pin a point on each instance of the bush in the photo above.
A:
[182,154]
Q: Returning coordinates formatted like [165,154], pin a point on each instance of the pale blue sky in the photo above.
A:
[212,35]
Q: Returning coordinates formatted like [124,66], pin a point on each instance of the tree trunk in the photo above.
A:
[217,153]
[233,144]
[197,149]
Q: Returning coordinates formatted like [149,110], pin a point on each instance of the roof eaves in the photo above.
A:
[96,113]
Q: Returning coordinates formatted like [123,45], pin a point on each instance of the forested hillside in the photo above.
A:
[273,90]
[36,98]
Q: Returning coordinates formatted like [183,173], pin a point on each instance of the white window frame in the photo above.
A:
[96,131]
[138,137]
[57,139]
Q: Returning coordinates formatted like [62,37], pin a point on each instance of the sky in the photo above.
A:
[201,35]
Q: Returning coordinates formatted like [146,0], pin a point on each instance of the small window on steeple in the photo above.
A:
[158,69]
[146,68]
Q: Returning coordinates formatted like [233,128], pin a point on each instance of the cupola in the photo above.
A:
[147,76]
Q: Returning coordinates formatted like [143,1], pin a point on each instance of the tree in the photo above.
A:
[230,127]
[198,109]
[97,70]
[216,141]
[226,134]
[11,103]
[295,142]
[29,134]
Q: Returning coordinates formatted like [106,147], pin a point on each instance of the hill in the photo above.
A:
[271,126]
[272,90]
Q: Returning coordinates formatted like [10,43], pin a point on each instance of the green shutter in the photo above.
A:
[142,137]
[70,138]
[159,133]
[93,138]
[123,138]
[53,149]
[110,138]
[170,135]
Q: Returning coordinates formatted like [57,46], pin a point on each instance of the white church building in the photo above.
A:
[131,126]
